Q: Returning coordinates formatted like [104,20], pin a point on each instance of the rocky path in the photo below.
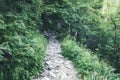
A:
[56,66]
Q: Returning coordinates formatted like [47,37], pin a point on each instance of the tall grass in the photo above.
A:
[88,65]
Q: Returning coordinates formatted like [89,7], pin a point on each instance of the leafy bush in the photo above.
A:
[89,67]
[27,47]
[20,37]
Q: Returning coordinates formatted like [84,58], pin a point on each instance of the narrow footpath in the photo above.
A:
[56,66]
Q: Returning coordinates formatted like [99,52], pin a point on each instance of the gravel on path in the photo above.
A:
[56,66]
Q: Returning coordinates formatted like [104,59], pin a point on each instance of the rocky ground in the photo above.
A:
[56,66]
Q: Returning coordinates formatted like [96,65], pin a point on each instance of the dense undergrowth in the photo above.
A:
[88,65]
[23,45]
[89,21]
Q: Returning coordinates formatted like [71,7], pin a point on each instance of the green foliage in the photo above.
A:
[110,37]
[89,67]
[27,59]
[84,19]
[20,36]
[78,18]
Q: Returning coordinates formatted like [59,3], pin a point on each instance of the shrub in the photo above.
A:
[89,67]
[20,37]
[27,48]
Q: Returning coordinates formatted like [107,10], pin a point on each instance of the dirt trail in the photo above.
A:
[56,66]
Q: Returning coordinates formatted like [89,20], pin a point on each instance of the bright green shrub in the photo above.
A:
[89,67]
[27,47]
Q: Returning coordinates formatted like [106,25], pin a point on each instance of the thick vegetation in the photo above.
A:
[23,46]
[93,23]
[88,65]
